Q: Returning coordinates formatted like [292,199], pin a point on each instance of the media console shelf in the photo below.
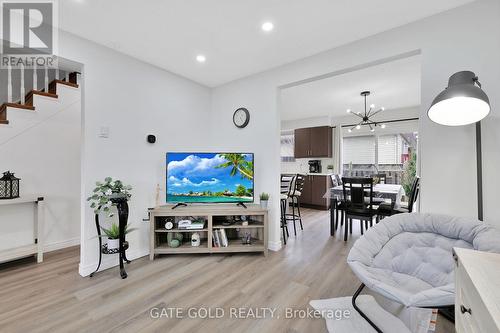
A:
[218,217]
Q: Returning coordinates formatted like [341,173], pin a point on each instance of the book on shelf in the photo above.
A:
[216,238]
[224,242]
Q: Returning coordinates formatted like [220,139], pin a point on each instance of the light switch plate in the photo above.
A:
[104,132]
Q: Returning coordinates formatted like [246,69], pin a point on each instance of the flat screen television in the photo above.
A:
[210,177]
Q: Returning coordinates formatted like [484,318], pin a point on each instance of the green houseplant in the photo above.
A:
[264,198]
[409,173]
[113,235]
[100,200]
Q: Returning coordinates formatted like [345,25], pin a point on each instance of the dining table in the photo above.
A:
[391,192]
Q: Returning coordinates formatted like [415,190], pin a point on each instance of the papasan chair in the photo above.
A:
[408,258]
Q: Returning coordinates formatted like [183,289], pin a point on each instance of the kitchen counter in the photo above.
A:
[320,174]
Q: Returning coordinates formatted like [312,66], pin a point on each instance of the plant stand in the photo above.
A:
[122,206]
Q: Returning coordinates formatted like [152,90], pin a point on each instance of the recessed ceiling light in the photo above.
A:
[267,26]
[201,58]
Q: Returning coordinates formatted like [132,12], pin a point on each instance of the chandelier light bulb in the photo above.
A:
[382,108]
[349,130]
[358,126]
[348,110]
[382,126]
[372,130]
[372,105]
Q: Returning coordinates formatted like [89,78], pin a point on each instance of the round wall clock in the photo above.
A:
[241,117]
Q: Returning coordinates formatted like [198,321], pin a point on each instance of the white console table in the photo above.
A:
[37,246]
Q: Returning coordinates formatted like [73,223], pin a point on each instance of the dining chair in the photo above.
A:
[338,205]
[357,205]
[286,182]
[382,178]
[386,209]
[294,196]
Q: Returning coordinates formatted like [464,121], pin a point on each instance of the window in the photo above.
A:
[287,146]
[391,151]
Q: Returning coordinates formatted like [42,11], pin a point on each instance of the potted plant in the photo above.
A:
[113,235]
[264,198]
[104,193]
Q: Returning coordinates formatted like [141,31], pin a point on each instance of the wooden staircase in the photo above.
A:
[28,101]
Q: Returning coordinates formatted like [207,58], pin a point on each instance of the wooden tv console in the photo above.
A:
[214,215]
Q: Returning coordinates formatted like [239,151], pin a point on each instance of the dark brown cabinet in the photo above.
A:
[315,186]
[313,142]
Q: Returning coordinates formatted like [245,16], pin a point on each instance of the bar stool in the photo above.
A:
[285,192]
[296,192]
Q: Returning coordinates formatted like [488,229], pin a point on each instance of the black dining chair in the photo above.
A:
[382,178]
[359,206]
[285,192]
[337,206]
[386,209]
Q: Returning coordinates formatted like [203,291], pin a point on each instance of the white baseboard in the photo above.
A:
[109,261]
[274,246]
[61,244]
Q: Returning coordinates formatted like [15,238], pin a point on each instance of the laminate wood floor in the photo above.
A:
[53,297]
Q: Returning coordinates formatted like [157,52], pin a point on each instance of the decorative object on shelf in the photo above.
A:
[169,224]
[195,239]
[104,193]
[247,238]
[464,102]
[9,186]
[244,220]
[241,117]
[366,117]
[157,195]
[174,239]
[264,199]
[113,235]
[329,167]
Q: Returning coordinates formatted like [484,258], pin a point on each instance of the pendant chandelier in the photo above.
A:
[366,117]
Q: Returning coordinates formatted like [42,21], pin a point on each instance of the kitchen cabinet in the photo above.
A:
[315,186]
[313,142]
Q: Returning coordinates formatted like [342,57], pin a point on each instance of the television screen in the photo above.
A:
[209,177]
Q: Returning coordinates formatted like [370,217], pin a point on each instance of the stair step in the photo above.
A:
[29,96]
[3,110]
[53,85]
[16,105]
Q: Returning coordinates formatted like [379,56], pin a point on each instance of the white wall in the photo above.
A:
[43,148]
[133,99]
[463,38]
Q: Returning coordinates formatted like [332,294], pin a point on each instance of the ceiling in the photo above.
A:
[393,85]
[171,33]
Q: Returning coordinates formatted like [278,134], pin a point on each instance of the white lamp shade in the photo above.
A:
[459,111]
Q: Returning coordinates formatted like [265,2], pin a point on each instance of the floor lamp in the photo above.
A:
[463,102]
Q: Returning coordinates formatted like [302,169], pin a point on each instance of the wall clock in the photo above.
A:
[241,117]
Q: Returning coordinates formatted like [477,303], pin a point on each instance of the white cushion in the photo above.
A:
[408,257]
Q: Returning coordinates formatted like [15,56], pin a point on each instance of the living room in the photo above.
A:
[207,78]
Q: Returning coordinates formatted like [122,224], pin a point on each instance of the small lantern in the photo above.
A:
[9,186]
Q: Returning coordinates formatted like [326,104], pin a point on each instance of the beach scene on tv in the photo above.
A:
[209,177]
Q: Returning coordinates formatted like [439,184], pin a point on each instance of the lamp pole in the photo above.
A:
[479,161]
